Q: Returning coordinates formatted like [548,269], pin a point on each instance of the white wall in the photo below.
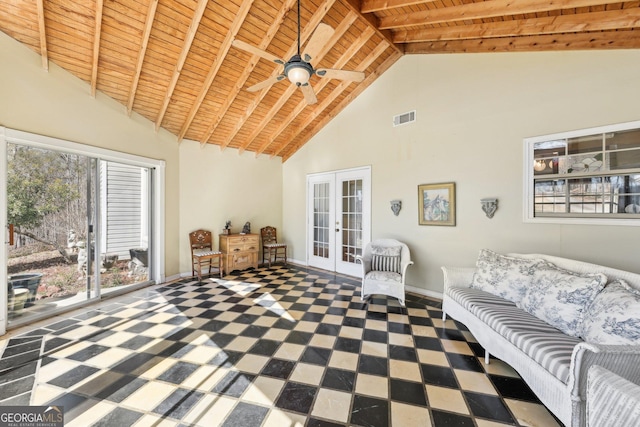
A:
[57,104]
[473,111]
[216,186]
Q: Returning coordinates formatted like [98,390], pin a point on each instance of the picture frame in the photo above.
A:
[437,204]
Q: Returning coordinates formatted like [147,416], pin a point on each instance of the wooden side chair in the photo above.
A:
[270,246]
[202,253]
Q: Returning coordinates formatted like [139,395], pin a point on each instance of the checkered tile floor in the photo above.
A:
[266,347]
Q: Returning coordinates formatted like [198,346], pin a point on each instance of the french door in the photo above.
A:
[339,219]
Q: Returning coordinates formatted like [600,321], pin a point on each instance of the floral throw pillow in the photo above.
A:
[504,276]
[614,316]
[560,297]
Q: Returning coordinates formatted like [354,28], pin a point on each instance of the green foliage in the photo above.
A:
[39,183]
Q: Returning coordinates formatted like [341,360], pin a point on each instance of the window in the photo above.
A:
[591,176]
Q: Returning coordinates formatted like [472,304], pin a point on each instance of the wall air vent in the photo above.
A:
[403,119]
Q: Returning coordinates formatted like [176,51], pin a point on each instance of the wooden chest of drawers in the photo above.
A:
[240,251]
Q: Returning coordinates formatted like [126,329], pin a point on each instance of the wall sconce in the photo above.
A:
[489,206]
[396,205]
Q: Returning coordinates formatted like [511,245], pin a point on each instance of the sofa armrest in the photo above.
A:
[611,399]
[622,360]
[458,277]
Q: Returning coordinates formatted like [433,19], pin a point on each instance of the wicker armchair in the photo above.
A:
[384,268]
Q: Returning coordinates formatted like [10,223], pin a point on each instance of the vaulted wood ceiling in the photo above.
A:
[172,61]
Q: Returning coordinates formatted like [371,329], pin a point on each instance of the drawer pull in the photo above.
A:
[236,250]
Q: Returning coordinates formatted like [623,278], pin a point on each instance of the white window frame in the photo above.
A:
[528,188]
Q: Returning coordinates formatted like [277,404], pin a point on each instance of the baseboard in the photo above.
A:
[425,292]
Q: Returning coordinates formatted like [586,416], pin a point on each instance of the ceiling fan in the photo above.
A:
[299,69]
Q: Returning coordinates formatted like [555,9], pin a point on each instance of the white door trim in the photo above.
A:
[332,176]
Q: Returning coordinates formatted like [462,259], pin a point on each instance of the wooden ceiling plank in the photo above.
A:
[246,72]
[213,72]
[552,42]
[96,47]
[594,21]
[341,62]
[321,11]
[482,10]
[337,35]
[43,35]
[374,22]
[151,13]
[369,6]
[366,62]
[186,47]
[343,104]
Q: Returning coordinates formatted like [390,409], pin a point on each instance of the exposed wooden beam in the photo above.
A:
[43,35]
[481,10]
[594,21]
[151,13]
[344,59]
[338,33]
[598,40]
[366,63]
[321,11]
[374,22]
[186,47]
[213,72]
[96,47]
[292,148]
[242,78]
[369,6]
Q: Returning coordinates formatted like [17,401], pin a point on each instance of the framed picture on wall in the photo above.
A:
[437,204]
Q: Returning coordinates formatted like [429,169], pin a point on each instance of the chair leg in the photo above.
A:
[285,255]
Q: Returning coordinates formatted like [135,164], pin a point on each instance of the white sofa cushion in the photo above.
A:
[614,316]
[504,276]
[543,343]
[560,297]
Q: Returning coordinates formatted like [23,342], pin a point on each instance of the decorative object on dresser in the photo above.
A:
[227,228]
[247,228]
[202,253]
[239,251]
[384,268]
[270,246]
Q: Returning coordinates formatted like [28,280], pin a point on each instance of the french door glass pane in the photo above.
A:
[321,220]
[351,220]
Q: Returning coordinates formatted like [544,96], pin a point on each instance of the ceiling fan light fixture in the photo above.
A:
[298,73]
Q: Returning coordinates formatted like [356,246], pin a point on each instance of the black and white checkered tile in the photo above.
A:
[266,347]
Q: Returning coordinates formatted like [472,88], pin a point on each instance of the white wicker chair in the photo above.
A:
[612,401]
[384,272]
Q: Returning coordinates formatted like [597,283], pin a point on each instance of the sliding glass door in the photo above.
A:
[78,227]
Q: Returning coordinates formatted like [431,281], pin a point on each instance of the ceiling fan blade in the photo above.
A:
[309,94]
[320,37]
[252,49]
[271,80]
[356,76]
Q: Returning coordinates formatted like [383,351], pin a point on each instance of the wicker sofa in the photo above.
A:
[551,349]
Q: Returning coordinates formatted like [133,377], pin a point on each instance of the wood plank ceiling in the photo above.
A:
[172,61]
